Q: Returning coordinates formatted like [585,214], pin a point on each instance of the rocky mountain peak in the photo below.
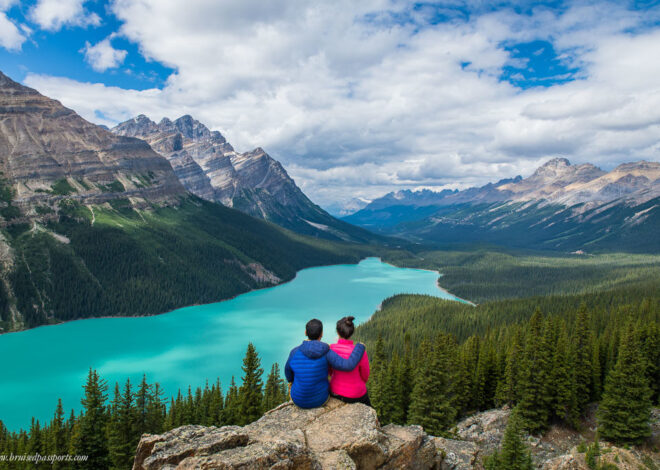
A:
[139,125]
[252,182]
[641,166]
[557,162]
[48,152]
[552,168]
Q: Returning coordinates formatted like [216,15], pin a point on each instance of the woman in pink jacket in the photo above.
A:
[350,387]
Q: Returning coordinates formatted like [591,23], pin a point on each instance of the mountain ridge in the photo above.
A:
[252,182]
[560,206]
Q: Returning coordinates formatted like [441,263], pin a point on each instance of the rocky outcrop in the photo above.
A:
[48,152]
[341,436]
[621,459]
[486,429]
[252,182]
[336,436]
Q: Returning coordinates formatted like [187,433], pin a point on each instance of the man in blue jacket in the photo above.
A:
[306,369]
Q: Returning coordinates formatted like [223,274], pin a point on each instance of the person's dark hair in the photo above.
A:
[345,327]
[314,329]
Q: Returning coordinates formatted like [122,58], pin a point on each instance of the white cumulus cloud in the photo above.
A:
[356,102]
[53,15]
[102,56]
[11,38]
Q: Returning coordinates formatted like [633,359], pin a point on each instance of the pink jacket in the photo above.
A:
[351,384]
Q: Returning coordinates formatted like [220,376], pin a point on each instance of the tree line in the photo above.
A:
[549,368]
[107,430]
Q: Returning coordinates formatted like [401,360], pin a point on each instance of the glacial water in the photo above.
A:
[192,344]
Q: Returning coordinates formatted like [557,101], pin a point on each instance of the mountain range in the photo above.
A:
[252,182]
[560,206]
[93,223]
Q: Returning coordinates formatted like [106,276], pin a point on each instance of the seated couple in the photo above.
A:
[310,364]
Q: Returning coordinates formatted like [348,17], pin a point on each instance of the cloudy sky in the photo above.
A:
[357,98]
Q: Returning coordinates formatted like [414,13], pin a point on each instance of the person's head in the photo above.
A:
[345,327]
[314,329]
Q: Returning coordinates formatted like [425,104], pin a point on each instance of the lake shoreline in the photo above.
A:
[439,274]
[437,282]
[145,315]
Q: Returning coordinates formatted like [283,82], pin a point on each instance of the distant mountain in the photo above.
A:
[97,224]
[398,207]
[559,207]
[252,182]
[347,208]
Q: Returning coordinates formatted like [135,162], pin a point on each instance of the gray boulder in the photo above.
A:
[335,436]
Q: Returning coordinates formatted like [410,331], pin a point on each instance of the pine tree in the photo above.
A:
[592,455]
[624,411]
[57,443]
[250,393]
[650,341]
[508,390]
[141,401]
[377,376]
[122,436]
[35,443]
[595,370]
[156,411]
[390,408]
[90,431]
[514,454]
[231,411]
[564,405]
[273,395]
[470,357]
[4,438]
[486,377]
[431,404]
[535,402]
[406,378]
[217,404]
[582,357]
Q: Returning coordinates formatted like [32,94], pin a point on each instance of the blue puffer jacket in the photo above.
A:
[307,369]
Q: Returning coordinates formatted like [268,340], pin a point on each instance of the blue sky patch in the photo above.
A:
[536,63]
[61,53]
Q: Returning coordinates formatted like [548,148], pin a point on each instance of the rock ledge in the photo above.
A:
[336,436]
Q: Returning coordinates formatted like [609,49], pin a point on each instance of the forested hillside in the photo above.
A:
[485,273]
[435,361]
[114,259]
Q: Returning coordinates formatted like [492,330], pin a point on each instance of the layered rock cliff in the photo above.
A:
[341,436]
[48,152]
[252,182]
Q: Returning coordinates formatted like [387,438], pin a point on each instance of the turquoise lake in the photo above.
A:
[191,344]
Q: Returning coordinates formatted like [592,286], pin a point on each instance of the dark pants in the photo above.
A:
[364,399]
